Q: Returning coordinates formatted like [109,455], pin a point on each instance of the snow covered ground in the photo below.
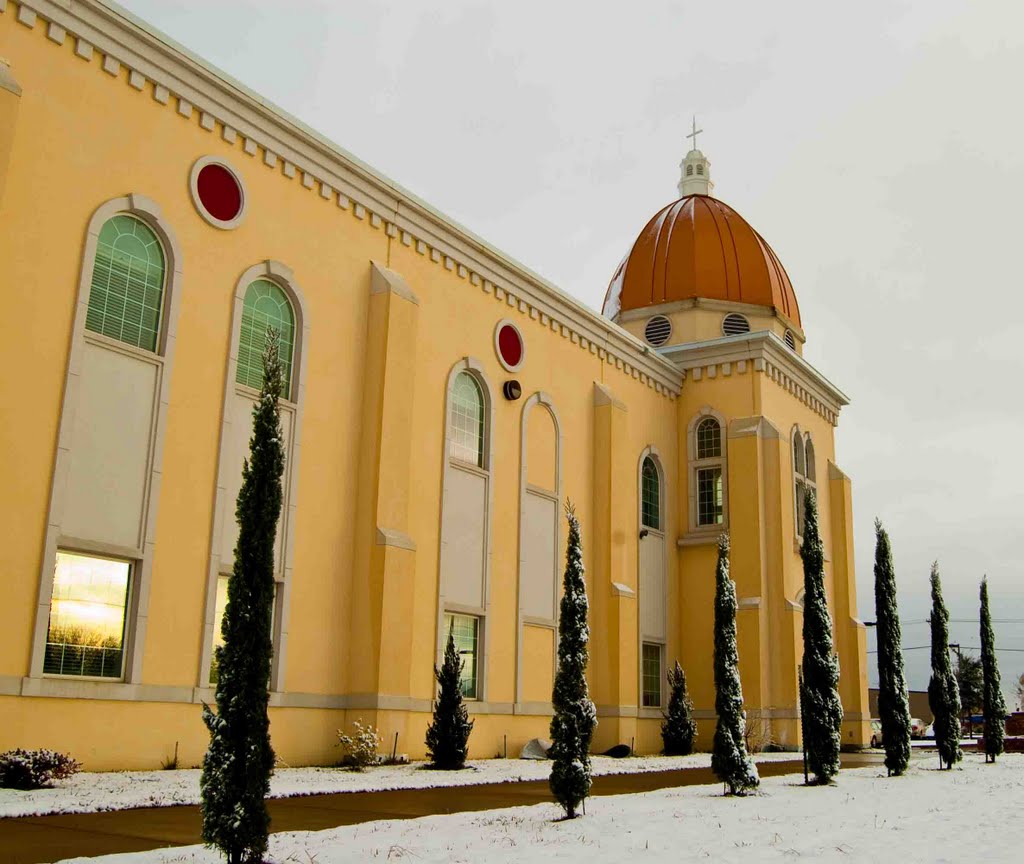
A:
[120,790]
[971,814]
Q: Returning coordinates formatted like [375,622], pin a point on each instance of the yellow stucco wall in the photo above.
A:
[362,628]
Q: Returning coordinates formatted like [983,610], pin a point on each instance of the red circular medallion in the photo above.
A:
[219,192]
[510,346]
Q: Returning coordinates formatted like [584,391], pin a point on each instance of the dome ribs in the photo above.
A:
[699,247]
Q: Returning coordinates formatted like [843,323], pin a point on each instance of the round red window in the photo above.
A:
[217,193]
[510,347]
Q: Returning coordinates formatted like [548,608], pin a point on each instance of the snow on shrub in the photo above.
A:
[34,769]
[360,749]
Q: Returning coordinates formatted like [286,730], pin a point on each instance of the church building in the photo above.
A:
[441,404]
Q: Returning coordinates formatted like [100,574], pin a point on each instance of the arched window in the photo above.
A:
[689,170]
[804,476]
[708,490]
[265,305]
[700,169]
[650,495]
[467,420]
[127,291]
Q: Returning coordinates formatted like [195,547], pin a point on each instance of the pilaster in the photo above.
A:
[380,638]
[10,99]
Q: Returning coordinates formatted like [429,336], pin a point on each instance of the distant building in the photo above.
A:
[918,705]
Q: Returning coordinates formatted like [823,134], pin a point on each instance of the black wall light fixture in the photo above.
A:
[512,390]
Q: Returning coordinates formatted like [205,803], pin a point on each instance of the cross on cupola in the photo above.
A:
[695,169]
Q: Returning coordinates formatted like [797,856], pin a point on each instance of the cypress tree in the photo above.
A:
[823,716]
[679,729]
[448,733]
[575,716]
[943,693]
[994,704]
[238,764]
[893,700]
[729,758]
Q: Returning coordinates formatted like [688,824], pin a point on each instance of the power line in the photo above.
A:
[962,648]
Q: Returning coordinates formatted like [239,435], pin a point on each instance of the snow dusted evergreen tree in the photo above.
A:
[729,758]
[943,692]
[893,700]
[994,704]
[448,733]
[823,712]
[575,715]
[239,761]
[679,729]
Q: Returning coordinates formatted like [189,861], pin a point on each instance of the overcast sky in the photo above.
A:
[877,146]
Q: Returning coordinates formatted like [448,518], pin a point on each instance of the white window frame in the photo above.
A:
[805,480]
[696,464]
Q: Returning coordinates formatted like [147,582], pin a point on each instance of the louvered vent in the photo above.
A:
[790,340]
[735,324]
[658,329]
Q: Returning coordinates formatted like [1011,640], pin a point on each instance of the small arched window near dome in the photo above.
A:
[657,330]
[689,170]
[790,340]
[707,473]
[700,169]
[733,324]
[804,477]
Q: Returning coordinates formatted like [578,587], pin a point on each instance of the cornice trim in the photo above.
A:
[767,353]
[199,87]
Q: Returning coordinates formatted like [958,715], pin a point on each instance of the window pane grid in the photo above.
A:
[265,305]
[127,286]
[467,421]
[85,635]
[709,496]
[650,496]
[465,630]
[651,674]
[709,439]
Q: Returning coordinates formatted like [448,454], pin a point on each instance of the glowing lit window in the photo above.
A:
[466,630]
[467,420]
[88,606]
[651,664]
[265,305]
[220,605]
[126,294]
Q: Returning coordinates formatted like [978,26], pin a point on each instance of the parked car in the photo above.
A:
[876,734]
[917,728]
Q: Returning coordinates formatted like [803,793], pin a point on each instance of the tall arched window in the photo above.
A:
[467,502]
[265,305]
[127,290]
[709,474]
[804,476]
[650,495]
[467,420]
[652,582]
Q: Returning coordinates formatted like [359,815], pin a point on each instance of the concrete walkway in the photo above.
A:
[30,839]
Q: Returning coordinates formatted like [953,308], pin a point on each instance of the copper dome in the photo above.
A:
[700,247]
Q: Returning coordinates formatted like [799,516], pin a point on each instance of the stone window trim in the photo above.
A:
[449,464]
[543,400]
[193,188]
[695,530]
[283,276]
[140,557]
[804,476]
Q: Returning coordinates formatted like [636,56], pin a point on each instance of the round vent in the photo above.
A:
[658,329]
[790,340]
[734,324]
